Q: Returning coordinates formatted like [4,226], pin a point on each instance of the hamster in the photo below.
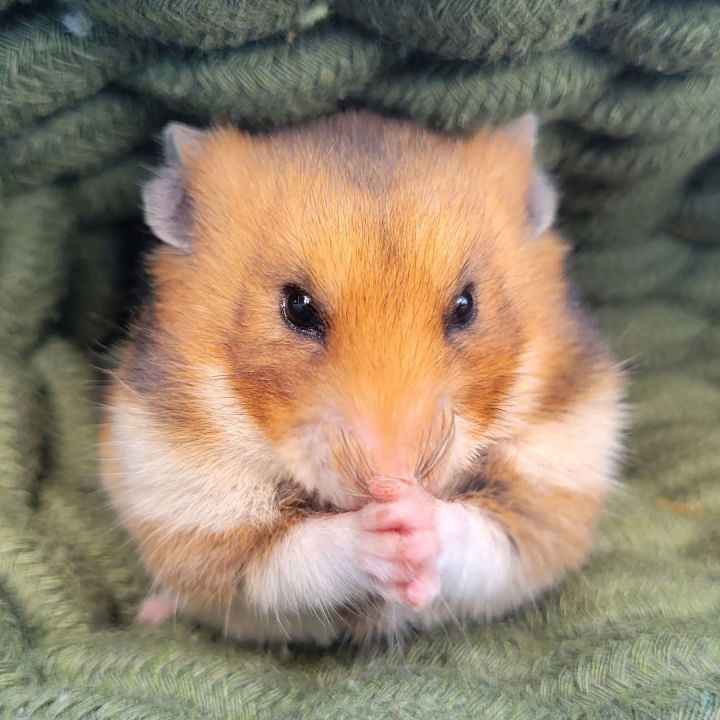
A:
[361,396]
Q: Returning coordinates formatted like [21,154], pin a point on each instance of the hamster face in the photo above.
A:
[368,296]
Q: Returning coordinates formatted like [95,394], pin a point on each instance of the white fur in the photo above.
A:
[316,567]
[521,401]
[160,481]
[460,455]
[580,450]
[306,453]
[243,621]
[481,574]
[313,568]
[476,564]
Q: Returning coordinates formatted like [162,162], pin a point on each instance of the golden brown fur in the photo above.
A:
[383,223]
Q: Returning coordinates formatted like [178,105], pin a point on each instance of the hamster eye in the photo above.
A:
[462,311]
[300,311]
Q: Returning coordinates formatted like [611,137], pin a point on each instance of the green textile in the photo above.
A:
[630,95]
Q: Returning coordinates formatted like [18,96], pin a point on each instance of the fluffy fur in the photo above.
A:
[391,473]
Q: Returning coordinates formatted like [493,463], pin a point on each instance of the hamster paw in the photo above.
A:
[156,609]
[399,547]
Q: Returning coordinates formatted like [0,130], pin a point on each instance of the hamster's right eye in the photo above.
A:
[300,311]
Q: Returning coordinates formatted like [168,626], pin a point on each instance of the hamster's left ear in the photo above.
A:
[541,199]
[166,204]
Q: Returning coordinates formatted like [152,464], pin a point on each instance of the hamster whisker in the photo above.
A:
[228,609]
[353,463]
[431,461]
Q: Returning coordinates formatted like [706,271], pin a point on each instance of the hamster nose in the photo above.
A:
[387,482]
[391,460]
[394,447]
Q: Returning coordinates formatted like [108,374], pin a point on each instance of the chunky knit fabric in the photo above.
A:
[630,94]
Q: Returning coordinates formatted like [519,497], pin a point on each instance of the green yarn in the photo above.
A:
[66,379]
[620,161]
[701,281]
[21,437]
[652,334]
[665,37]
[16,669]
[44,67]
[269,84]
[630,95]
[669,398]
[96,268]
[110,195]
[106,565]
[597,215]
[33,228]
[657,107]
[206,24]
[489,29]
[4,4]
[698,216]
[461,97]
[50,702]
[78,140]
[632,271]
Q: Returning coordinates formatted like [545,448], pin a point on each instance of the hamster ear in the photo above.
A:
[166,204]
[541,200]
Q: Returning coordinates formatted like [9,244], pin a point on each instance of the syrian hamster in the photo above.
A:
[361,395]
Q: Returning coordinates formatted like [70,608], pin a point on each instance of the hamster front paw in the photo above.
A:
[399,547]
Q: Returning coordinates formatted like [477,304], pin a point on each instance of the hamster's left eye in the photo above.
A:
[462,310]
[300,311]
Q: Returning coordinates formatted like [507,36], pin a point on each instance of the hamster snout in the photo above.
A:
[402,447]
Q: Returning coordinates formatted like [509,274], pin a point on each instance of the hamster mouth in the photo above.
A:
[341,463]
[364,475]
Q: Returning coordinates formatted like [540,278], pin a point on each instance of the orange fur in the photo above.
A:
[384,223]
[206,568]
[269,210]
[551,528]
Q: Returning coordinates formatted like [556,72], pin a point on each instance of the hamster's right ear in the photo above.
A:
[166,204]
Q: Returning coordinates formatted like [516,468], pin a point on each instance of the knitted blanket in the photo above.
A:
[629,91]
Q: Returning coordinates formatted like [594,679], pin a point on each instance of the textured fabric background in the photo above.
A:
[630,93]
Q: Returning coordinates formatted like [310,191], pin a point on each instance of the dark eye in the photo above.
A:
[300,311]
[462,311]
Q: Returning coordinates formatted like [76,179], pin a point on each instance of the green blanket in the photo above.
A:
[630,95]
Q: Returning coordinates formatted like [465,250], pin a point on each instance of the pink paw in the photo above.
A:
[399,547]
[156,609]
